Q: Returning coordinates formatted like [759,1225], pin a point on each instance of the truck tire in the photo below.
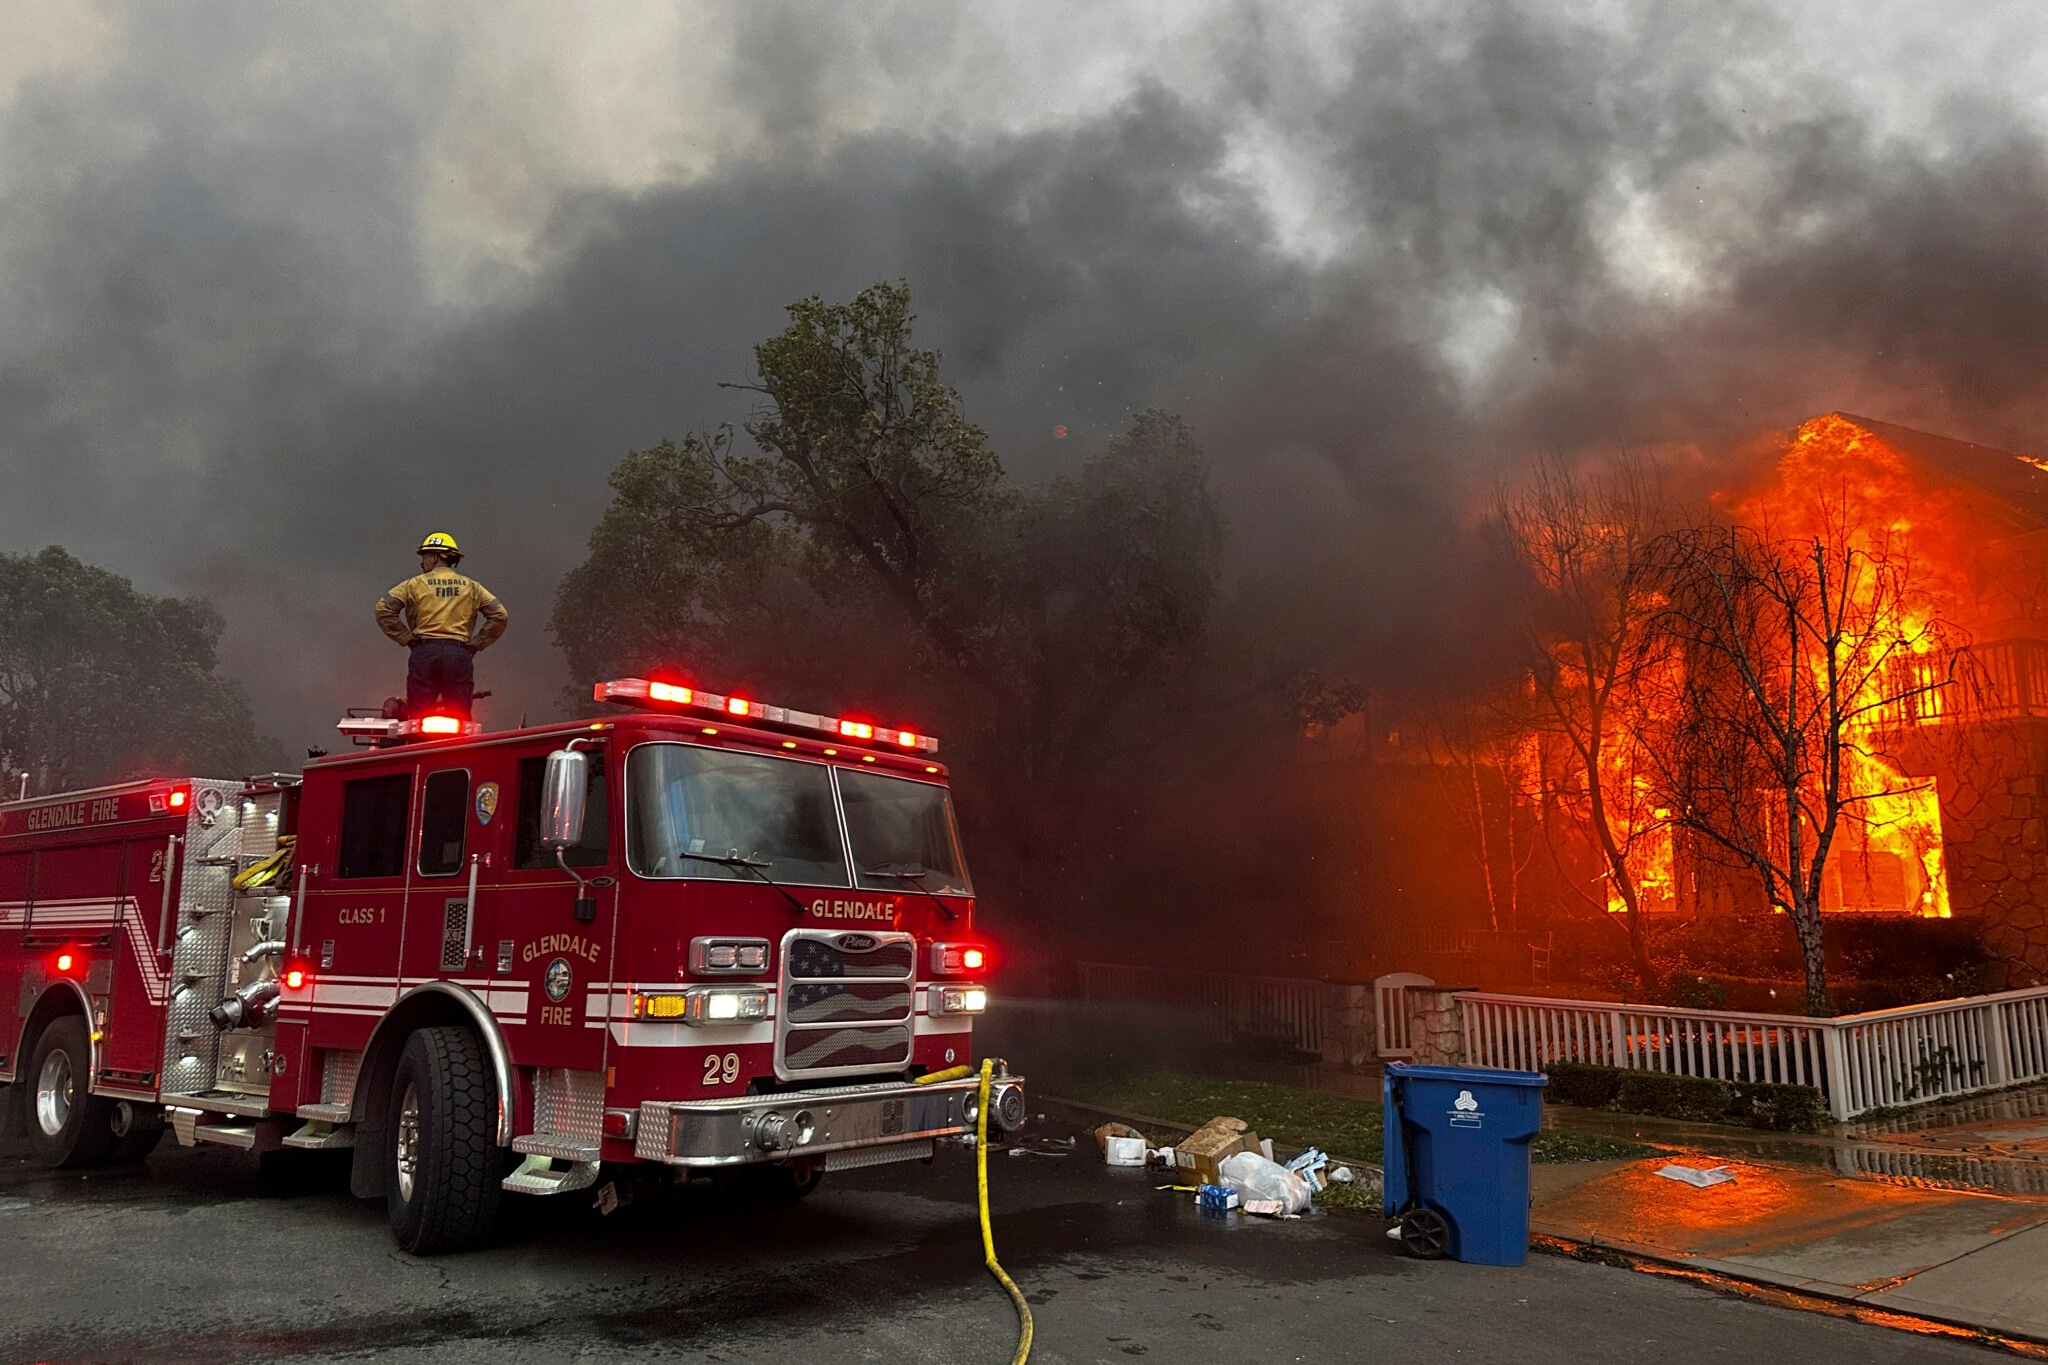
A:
[67,1124]
[443,1164]
[135,1146]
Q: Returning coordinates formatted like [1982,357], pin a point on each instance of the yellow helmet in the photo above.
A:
[441,543]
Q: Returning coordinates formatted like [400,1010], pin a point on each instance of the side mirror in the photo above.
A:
[562,795]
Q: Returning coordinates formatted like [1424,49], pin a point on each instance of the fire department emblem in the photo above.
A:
[486,802]
[557,980]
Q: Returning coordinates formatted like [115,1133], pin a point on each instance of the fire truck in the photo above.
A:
[704,936]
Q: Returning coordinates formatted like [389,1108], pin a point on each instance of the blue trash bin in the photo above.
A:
[1457,1159]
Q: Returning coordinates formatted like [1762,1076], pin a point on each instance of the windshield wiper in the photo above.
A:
[915,875]
[753,865]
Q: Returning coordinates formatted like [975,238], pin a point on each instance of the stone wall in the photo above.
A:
[1436,1026]
[1994,816]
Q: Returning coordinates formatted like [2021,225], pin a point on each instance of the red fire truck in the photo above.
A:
[710,935]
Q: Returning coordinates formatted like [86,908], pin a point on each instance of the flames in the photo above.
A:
[1836,480]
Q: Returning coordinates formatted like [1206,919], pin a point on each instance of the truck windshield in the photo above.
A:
[902,835]
[688,806]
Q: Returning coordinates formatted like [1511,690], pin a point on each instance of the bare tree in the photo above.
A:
[1795,653]
[1591,549]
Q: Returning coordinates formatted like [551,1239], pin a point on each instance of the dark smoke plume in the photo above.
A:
[1375,261]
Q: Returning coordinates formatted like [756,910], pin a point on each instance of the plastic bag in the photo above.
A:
[1254,1177]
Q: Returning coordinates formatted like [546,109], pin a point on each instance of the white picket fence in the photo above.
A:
[1862,1062]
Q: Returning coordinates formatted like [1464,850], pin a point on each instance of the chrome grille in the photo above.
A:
[844,1002]
[847,998]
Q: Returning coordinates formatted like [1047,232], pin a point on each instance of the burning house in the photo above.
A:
[1927,578]
[1929,646]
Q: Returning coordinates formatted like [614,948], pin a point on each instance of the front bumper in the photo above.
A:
[880,1121]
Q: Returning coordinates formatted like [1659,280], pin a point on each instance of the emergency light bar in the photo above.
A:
[375,728]
[643,692]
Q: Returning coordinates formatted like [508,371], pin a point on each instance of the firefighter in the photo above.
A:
[444,619]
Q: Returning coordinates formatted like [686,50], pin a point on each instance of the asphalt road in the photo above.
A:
[187,1259]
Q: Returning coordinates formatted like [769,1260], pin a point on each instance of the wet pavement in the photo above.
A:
[188,1260]
[1954,1255]
[1996,1143]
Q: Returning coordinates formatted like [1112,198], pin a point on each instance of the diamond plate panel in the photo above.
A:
[259,824]
[878,1156]
[569,1104]
[338,1076]
[202,922]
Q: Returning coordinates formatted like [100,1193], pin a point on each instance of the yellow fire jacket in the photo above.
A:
[442,606]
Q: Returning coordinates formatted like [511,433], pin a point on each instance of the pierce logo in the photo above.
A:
[857,943]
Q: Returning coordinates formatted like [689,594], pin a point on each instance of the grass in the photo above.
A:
[1293,1117]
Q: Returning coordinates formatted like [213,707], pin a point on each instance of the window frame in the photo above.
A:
[740,877]
[527,856]
[420,841]
[341,852]
[952,827]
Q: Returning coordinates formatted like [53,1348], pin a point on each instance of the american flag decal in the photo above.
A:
[847,1002]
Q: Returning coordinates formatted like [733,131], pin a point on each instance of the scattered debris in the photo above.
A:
[1033,1144]
[1197,1156]
[1310,1166]
[1342,1175]
[1124,1151]
[1697,1178]
[1218,1197]
[1265,1208]
[1258,1178]
[1160,1156]
[1115,1130]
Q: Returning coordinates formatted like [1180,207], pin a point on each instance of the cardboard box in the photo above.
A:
[1196,1156]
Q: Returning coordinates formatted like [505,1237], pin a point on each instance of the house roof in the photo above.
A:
[2006,493]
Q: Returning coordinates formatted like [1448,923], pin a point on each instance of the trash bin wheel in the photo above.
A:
[1425,1233]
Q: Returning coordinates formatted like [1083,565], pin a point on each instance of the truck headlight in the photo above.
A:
[703,1004]
[958,1000]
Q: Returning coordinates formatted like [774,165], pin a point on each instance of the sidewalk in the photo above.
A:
[1968,1258]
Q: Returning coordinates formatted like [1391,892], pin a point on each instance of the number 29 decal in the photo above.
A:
[721,1069]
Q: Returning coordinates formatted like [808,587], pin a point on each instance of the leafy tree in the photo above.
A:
[857,540]
[99,682]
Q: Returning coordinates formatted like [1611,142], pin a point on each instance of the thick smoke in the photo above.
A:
[1376,256]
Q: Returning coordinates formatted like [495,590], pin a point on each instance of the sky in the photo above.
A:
[284,287]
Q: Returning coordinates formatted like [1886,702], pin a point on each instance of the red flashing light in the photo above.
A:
[65,961]
[973,959]
[630,691]
[294,978]
[440,725]
[177,799]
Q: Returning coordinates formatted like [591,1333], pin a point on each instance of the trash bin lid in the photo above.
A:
[1467,1074]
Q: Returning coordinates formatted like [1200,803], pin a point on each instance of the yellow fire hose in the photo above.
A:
[988,1241]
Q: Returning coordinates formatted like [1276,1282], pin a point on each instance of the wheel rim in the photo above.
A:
[1425,1234]
[53,1093]
[408,1141]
